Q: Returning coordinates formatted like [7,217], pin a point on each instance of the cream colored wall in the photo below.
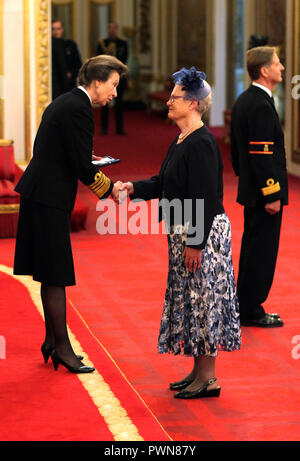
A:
[12,81]
[219,59]
[22,103]
[125,13]
[293,168]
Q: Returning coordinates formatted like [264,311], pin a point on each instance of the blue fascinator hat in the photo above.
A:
[193,82]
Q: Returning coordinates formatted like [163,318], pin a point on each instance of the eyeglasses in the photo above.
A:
[173,98]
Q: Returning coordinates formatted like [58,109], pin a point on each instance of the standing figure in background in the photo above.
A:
[69,61]
[114,46]
[258,159]
[59,64]
[74,62]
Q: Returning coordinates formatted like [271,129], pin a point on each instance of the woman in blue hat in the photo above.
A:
[200,314]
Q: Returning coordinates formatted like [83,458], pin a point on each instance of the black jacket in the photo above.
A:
[62,154]
[257,149]
[191,170]
[115,47]
[60,82]
[73,61]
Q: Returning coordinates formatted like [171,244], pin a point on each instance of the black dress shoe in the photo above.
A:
[179,385]
[121,132]
[201,392]
[58,361]
[273,314]
[268,321]
[47,350]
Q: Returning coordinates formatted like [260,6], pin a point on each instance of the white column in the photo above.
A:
[292,167]
[13,80]
[174,43]
[82,33]
[164,45]
[155,43]
[125,13]
[219,89]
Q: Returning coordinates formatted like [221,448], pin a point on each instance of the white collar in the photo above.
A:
[84,90]
[263,88]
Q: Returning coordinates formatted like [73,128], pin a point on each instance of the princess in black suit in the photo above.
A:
[62,154]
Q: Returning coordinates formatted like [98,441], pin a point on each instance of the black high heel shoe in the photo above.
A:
[56,360]
[180,385]
[201,392]
[47,350]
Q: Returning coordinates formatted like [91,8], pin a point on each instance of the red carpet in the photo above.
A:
[115,309]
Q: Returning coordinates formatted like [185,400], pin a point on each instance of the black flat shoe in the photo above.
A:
[47,350]
[179,385]
[268,321]
[201,392]
[58,361]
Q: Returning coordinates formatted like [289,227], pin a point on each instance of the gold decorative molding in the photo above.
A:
[43,56]
[27,89]
[8,208]
[6,142]
[1,37]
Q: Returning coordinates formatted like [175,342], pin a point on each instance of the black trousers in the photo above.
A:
[118,111]
[258,257]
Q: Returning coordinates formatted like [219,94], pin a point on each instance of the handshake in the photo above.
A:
[121,191]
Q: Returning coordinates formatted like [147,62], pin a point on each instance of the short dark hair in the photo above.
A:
[257,58]
[100,68]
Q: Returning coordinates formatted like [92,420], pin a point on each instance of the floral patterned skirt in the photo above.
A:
[201,313]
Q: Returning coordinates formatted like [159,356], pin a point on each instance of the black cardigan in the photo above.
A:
[191,170]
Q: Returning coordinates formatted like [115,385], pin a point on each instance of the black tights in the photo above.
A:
[54,305]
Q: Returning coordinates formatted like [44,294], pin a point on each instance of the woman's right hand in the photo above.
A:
[129,187]
[192,258]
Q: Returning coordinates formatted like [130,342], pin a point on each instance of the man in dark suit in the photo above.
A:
[60,81]
[62,155]
[73,62]
[66,60]
[114,46]
[259,161]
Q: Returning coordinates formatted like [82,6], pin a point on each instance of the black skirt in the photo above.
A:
[43,246]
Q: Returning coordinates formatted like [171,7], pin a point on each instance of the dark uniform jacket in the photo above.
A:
[73,61]
[257,149]
[60,82]
[114,47]
[62,154]
[191,170]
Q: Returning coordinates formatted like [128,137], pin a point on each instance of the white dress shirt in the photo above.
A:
[263,88]
[84,90]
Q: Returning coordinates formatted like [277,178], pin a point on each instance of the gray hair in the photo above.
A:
[204,104]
